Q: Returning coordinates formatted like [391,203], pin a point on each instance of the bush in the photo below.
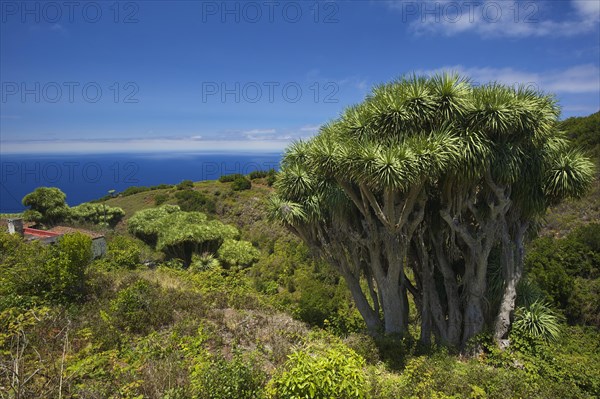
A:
[321,371]
[139,307]
[241,183]
[160,199]
[229,178]
[194,201]
[567,271]
[123,252]
[218,378]
[538,321]
[238,253]
[260,174]
[201,263]
[185,185]
[134,190]
[65,269]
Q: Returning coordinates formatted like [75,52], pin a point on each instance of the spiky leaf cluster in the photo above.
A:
[436,130]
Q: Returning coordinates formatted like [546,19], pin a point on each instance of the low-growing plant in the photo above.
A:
[218,378]
[241,184]
[235,253]
[229,178]
[321,371]
[538,320]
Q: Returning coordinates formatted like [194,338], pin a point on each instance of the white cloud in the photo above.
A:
[141,146]
[259,131]
[588,8]
[578,79]
[494,18]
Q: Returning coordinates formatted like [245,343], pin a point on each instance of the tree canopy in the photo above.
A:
[424,179]
[180,235]
[47,205]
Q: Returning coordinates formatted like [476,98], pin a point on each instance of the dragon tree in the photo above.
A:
[427,188]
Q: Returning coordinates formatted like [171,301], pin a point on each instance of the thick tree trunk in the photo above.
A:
[394,308]
[512,266]
[474,318]
[369,314]
[454,314]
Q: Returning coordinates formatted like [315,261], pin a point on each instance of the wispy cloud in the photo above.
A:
[141,146]
[244,141]
[493,18]
[577,79]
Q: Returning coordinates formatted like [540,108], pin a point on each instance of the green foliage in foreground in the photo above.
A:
[209,333]
[35,271]
[321,371]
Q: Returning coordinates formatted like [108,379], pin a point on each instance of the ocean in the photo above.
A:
[86,177]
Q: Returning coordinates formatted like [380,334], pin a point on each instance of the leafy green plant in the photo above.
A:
[190,201]
[123,252]
[47,205]
[229,178]
[160,199]
[65,268]
[218,378]
[238,253]
[138,307]
[203,262]
[321,372]
[96,214]
[538,321]
[241,183]
[185,185]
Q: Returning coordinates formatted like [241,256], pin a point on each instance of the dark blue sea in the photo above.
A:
[86,177]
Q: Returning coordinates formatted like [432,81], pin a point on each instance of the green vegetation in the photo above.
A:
[96,214]
[220,302]
[47,206]
[427,189]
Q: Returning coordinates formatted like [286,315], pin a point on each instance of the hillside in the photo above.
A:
[560,220]
[141,324]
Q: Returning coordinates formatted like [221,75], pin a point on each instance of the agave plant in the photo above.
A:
[538,320]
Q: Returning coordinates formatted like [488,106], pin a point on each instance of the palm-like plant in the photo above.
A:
[429,173]
[538,321]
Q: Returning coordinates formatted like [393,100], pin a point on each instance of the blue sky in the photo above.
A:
[252,76]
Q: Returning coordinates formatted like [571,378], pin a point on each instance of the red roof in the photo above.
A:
[39,233]
[60,230]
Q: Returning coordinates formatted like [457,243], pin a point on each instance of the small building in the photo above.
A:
[15,226]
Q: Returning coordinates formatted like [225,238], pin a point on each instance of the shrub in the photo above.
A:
[138,307]
[229,178]
[65,269]
[123,252]
[321,371]
[185,185]
[537,321]
[218,378]
[260,174]
[238,253]
[241,183]
[203,262]
[134,190]
[194,201]
[160,199]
